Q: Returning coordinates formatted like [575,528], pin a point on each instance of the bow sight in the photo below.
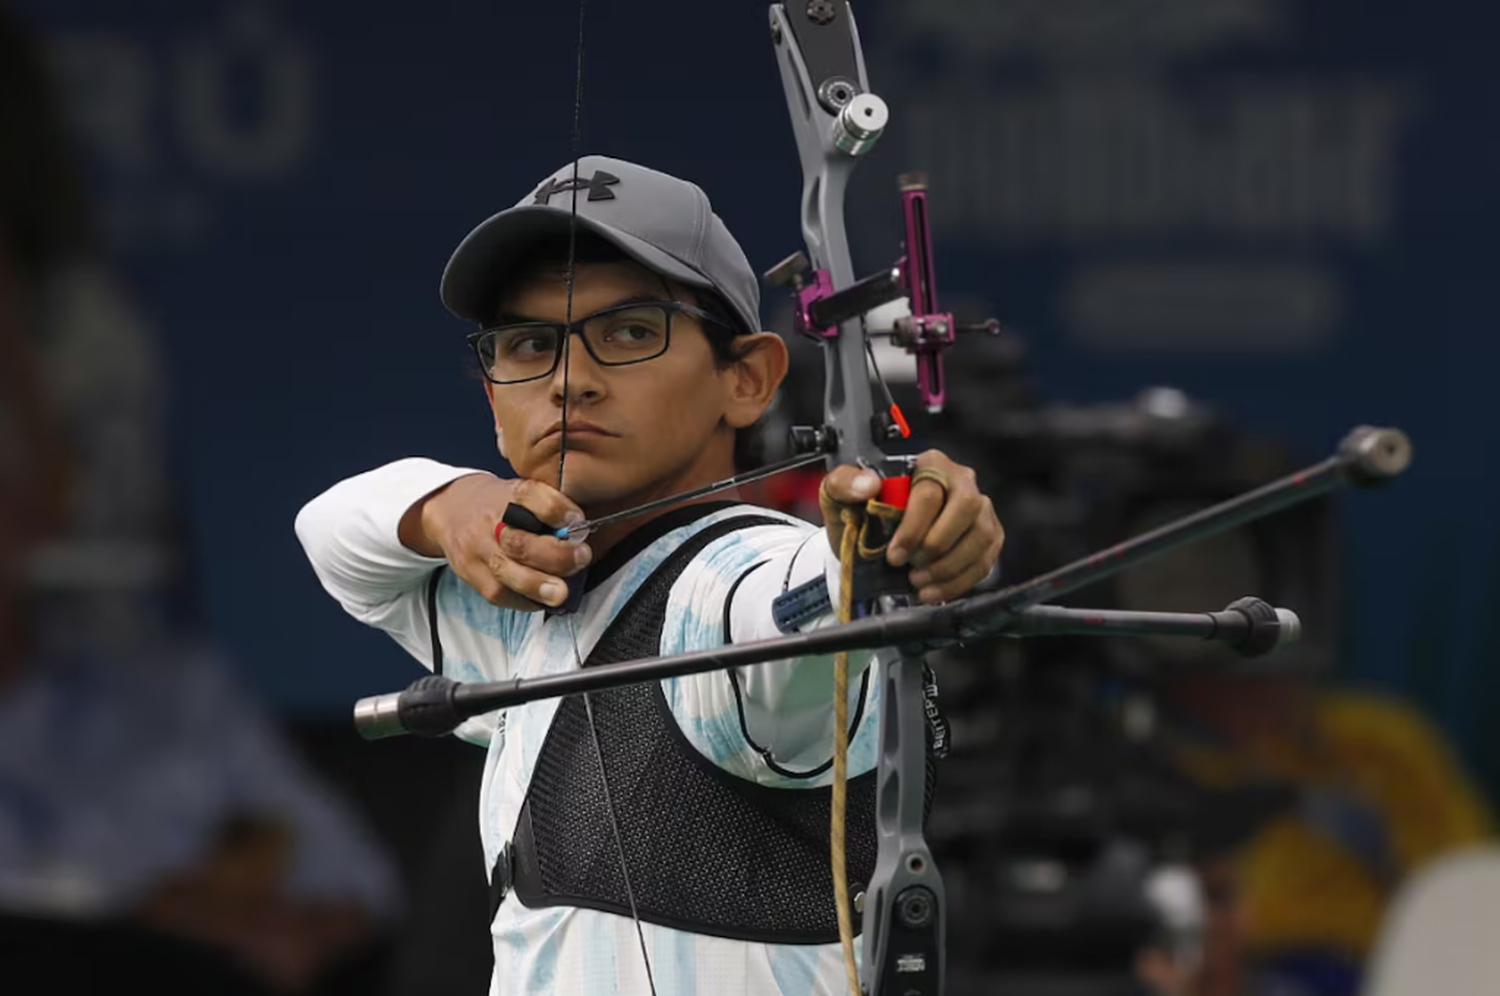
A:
[836,119]
[925,332]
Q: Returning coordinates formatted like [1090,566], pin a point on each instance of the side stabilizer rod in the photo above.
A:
[435,705]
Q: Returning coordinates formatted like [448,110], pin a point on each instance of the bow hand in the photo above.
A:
[948,534]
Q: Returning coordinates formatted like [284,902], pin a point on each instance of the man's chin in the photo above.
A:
[590,482]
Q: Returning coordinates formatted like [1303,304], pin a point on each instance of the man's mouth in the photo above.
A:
[577,429]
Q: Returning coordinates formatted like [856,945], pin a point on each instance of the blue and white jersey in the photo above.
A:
[350,534]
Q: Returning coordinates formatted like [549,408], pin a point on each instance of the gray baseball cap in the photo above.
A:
[661,222]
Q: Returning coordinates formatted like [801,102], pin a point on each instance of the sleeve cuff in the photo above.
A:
[396,487]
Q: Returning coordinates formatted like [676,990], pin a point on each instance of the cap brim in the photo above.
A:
[468,285]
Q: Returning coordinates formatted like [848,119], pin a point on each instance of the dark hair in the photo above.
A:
[550,255]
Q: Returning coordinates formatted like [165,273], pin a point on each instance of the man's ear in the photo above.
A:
[753,378]
[489,393]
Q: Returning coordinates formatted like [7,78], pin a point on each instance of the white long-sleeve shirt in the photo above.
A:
[350,534]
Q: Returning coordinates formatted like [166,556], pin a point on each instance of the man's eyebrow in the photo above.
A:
[508,317]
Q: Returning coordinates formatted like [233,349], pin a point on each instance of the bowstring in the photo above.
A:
[565,347]
[565,358]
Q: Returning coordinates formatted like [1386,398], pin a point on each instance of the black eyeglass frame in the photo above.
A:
[570,329]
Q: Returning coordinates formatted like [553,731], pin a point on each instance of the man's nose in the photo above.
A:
[577,370]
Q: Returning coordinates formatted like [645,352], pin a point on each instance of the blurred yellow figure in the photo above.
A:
[1379,794]
[1323,877]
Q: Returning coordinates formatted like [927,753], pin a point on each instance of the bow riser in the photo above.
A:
[819,58]
[836,119]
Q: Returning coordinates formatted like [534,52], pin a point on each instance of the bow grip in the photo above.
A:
[522,518]
[895,491]
[874,576]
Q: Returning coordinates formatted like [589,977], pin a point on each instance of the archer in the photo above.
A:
[696,809]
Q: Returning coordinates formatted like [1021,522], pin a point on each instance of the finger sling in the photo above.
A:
[852,519]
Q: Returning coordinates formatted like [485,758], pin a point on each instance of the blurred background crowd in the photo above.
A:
[1218,234]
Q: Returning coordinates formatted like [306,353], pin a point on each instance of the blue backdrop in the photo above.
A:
[1285,208]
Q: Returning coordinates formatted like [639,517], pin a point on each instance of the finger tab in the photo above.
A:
[524,519]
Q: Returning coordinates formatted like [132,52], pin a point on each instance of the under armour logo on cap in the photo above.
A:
[598,187]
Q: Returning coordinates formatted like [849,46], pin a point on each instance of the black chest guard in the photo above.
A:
[707,852]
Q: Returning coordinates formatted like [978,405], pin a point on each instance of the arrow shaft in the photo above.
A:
[750,477]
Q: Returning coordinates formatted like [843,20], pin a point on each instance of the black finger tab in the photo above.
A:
[525,520]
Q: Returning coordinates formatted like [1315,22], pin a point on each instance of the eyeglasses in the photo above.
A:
[615,337]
